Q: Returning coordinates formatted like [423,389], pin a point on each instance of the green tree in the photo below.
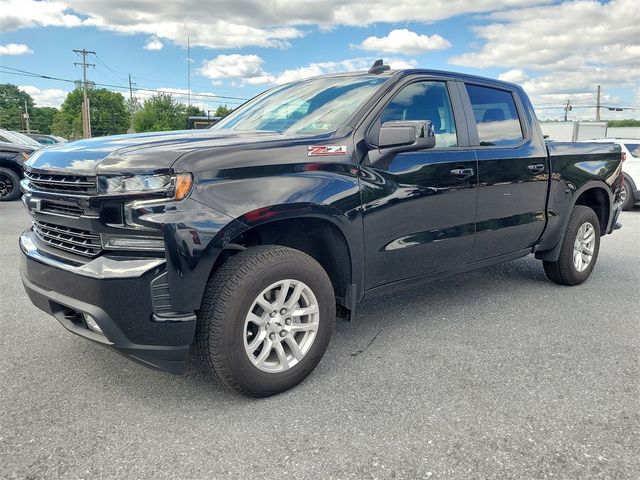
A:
[41,118]
[193,111]
[160,112]
[223,111]
[108,111]
[624,123]
[12,101]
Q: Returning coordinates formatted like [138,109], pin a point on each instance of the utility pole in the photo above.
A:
[131,106]
[26,115]
[86,117]
[567,109]
[598,105]
[188,71]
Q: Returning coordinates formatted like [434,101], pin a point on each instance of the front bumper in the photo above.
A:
[117,293]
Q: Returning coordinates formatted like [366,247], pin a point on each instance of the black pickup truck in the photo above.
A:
[12,159]
[246,239]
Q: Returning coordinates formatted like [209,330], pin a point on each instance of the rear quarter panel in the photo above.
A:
[576,168]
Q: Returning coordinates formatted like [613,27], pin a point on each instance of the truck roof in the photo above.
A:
[418,71]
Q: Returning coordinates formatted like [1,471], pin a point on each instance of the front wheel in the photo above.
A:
[579,251]
[266,319]
[9,185]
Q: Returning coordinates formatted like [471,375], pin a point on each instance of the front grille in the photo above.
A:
[62,209]
[74,184]
[70,239]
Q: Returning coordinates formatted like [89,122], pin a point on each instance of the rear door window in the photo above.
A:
[496,116]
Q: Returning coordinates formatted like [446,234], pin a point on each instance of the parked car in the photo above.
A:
[12,158]
[45,139]
[631,168]
[244,239]
[17,138]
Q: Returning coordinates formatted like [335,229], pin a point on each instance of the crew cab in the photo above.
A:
[245,239]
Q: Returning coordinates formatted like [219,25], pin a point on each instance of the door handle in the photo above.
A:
[462,172]
[536,167]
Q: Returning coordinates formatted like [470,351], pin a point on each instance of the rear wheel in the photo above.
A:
[9,185]
[579,250]
[626,196]
[266,320]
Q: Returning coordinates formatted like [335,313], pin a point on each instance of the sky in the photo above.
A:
[558,51]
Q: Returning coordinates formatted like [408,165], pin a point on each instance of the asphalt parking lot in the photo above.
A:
[494,374]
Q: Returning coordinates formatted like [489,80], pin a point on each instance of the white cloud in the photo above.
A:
[563,50]
[514,76]
[16,14]
[48,97]
[153,43]
[229,23]
[566,34]
[404,41]
[248,69]
[15,49]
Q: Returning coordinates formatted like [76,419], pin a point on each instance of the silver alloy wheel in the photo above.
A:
[281,326]
[583,246]
[623,193]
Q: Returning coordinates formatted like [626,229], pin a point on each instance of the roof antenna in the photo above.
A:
[379,67]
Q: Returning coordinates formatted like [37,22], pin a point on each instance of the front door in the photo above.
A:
[420,206]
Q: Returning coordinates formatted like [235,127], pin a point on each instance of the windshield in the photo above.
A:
[312,106]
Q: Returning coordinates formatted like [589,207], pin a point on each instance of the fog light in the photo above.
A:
[132,242]
[91,323]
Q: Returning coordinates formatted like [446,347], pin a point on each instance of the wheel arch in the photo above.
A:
[595,195]
[598,198]
[321,231]
[12,165]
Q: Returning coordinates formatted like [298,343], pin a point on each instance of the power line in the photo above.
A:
[189,83]
[115,72]
[255,90]
[121,87]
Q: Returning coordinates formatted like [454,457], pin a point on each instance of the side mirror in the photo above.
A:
[403,136]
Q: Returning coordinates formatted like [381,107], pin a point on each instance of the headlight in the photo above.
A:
[174,186]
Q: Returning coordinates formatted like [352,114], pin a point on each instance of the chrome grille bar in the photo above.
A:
[61,183]
[70,239]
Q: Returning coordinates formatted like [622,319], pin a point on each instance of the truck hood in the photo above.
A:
[138,153]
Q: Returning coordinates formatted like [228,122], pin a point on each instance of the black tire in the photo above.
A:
[629,200]
[9,185]
[228,296]
[564,271]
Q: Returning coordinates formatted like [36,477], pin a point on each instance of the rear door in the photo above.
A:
[419,206]
[513,172]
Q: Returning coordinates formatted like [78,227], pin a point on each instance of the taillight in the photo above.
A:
[623,156]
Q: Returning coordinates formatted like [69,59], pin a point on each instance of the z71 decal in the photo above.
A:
[323,150]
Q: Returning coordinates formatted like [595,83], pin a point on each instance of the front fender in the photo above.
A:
[197,230]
